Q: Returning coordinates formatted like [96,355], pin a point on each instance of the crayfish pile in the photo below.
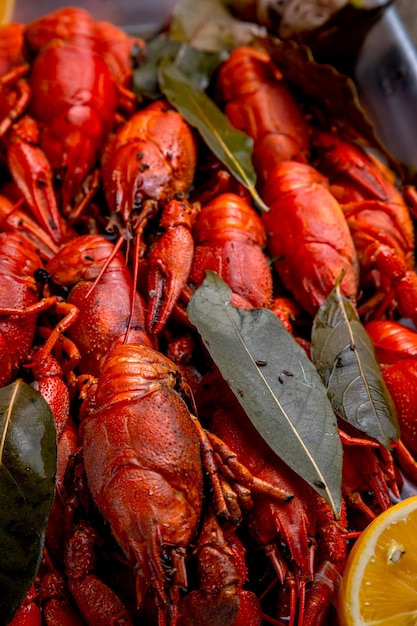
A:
[169,506]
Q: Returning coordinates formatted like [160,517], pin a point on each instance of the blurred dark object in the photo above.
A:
[337,41]
[386,78]
[340,40]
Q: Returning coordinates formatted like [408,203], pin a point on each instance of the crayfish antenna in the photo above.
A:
[105,266]
[134,283]
[301,595]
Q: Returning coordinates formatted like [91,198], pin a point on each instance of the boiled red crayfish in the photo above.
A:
[308,235]
[151,494]
[379,220]
[396,347]
[229,238]
[148,484]
[33,176]
[20,304]
[304,542]
[151,157]
[80,109]
[25,160]
[102,290]
[300,201]
[148,167]
[225,236]
[73,115]
[257,100]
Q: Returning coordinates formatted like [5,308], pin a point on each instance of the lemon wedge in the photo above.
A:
[6,11]
[379,584]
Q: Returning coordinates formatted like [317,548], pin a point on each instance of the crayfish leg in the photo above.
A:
[292,587]
[330,559]
[242,474]
[406,461]
[217,600]
[15,80]
[238,473]
[57,607]
[33,176]
[326,582]
[169,261]
[95,600]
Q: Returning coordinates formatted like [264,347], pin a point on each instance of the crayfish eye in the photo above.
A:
[285,550]
[137,55]
[137,200]
[166,563]
[41,275]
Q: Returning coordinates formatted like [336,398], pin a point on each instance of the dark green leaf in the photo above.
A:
[27,485]
[231,146]
[145,77]
[198,65]
[334,33]
[339,40]
[276,384]
[345,357]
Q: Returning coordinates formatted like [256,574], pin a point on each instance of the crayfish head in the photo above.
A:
[82,258]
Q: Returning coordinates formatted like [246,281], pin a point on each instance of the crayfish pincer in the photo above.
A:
[143,466]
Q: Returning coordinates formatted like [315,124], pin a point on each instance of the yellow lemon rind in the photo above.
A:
[348,605]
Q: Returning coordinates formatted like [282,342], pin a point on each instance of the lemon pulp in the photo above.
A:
[379,585]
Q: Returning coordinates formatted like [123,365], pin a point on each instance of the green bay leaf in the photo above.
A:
[198,65]
[345,357]
[145,77]
[275,382]
[231,146]
[27,487]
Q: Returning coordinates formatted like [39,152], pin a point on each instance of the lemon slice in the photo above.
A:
[379,584]
[6,11]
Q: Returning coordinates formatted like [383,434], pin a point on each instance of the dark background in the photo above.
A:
[129,12]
